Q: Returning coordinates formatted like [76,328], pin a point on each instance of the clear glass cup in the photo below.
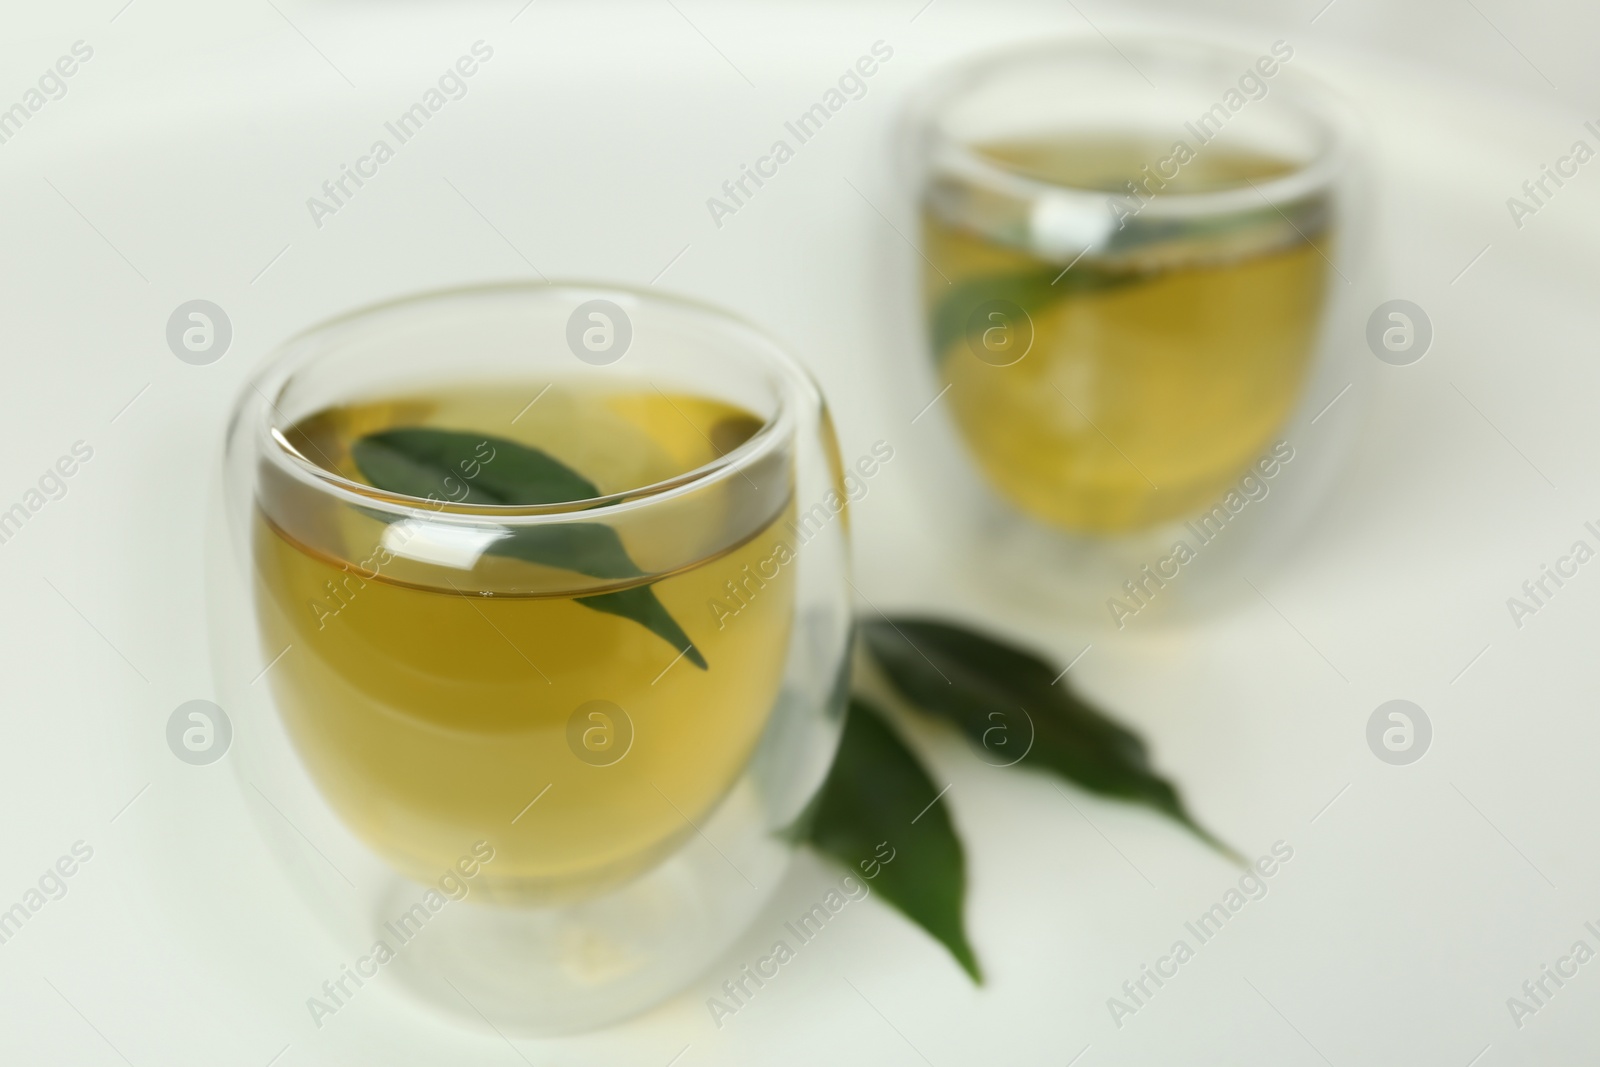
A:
[1141,277]
[531,614]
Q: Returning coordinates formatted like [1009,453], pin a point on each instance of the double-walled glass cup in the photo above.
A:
[533,637]
[1138,278]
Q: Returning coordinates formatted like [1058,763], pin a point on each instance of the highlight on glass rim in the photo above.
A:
[702,534]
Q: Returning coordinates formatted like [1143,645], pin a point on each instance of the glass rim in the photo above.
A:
[793,385]
[941,152]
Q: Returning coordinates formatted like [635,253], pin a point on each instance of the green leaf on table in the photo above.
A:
[472,468]
[979,683]
[1031,290]
[877,796]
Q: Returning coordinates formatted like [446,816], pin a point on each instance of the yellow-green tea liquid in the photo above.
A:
[433,717]
[1147,390]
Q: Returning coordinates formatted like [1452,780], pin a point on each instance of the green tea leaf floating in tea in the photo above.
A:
[1029,290]
[876,815]
[466,468]
[981,684]
[450,466]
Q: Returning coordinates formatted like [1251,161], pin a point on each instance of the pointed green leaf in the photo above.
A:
[877,796]
[420,461]
[979,683]
[1030,290]
[640,604]
[590,548]
[473,468]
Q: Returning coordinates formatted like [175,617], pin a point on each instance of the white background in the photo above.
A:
[178,166]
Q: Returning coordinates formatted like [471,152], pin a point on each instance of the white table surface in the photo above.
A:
[177,166]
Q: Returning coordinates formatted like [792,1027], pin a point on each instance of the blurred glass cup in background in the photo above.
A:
[1137,277]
